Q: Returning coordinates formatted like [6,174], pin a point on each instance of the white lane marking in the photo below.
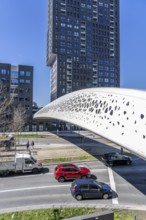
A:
[113,186]
[33,188]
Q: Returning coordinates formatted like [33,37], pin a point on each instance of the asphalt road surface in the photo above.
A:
[27,190]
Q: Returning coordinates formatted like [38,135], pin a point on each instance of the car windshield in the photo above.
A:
[98,184]
[33,159]
[78,168]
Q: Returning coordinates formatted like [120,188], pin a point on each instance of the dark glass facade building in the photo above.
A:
[83,45]
[19,83]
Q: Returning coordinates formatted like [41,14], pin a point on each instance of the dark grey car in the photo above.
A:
[90,189]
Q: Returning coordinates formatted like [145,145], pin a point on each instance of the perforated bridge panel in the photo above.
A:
[116,114]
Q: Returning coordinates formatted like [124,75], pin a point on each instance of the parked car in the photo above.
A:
[107,155]
[117,159]
[19,163]
[90,189]
[68,171]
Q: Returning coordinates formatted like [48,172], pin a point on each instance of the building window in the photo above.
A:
[89,6]
[112,74]
[83,5]
[100,67]
[62,37]
[63,24]
[41,127]
[106,68]
[21,81]
[21,90]
[106,74]
[112,69]
[62,50]
[100,74]
[27,73]
[22,73]
[14,81]
[34,127]
[3,71]
[100,79]
[76,34]
[27,90]
[106,80]
[63,44]
[112,80]
[14,91]
[3,79]
[14,74]
[100,3]
[76,27]
[28,81]
[21,99]
[27,99]
[69,25]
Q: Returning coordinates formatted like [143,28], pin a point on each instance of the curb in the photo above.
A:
[73,205]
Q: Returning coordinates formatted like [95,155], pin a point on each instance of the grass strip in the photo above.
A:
[62,213]
[47,214]
[29,135]
[66,159]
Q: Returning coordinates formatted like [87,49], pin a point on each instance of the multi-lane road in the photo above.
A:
[33,191]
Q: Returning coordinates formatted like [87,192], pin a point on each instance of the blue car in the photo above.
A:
[90,189]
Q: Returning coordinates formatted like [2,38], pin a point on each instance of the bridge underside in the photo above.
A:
[113,113]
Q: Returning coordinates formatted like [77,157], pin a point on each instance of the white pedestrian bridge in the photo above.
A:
[114,113]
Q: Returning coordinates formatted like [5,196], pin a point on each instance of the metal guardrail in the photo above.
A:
[105,215]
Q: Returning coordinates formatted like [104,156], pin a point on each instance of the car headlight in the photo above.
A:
[111,190]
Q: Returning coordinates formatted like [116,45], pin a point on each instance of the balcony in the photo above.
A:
[83,32]
[83,38]
[95,77]
[69,66]
[68,79]
[94,69]
[95,17]
[63,3]
[83,44]
[68,73]
[69,61]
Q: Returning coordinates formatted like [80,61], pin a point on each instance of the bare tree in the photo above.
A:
[19,118]
[6,102]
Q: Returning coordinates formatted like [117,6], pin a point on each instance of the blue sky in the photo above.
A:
[23,28]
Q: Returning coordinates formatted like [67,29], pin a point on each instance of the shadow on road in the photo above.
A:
[134,174]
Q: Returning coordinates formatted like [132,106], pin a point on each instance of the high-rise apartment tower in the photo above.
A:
[83,45]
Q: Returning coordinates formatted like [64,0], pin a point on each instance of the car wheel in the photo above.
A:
[105,196]
[84,177]
[5,173]
[35,171]
[61,179]
[79,197]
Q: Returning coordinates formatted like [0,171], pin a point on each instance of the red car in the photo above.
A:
[70,171]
